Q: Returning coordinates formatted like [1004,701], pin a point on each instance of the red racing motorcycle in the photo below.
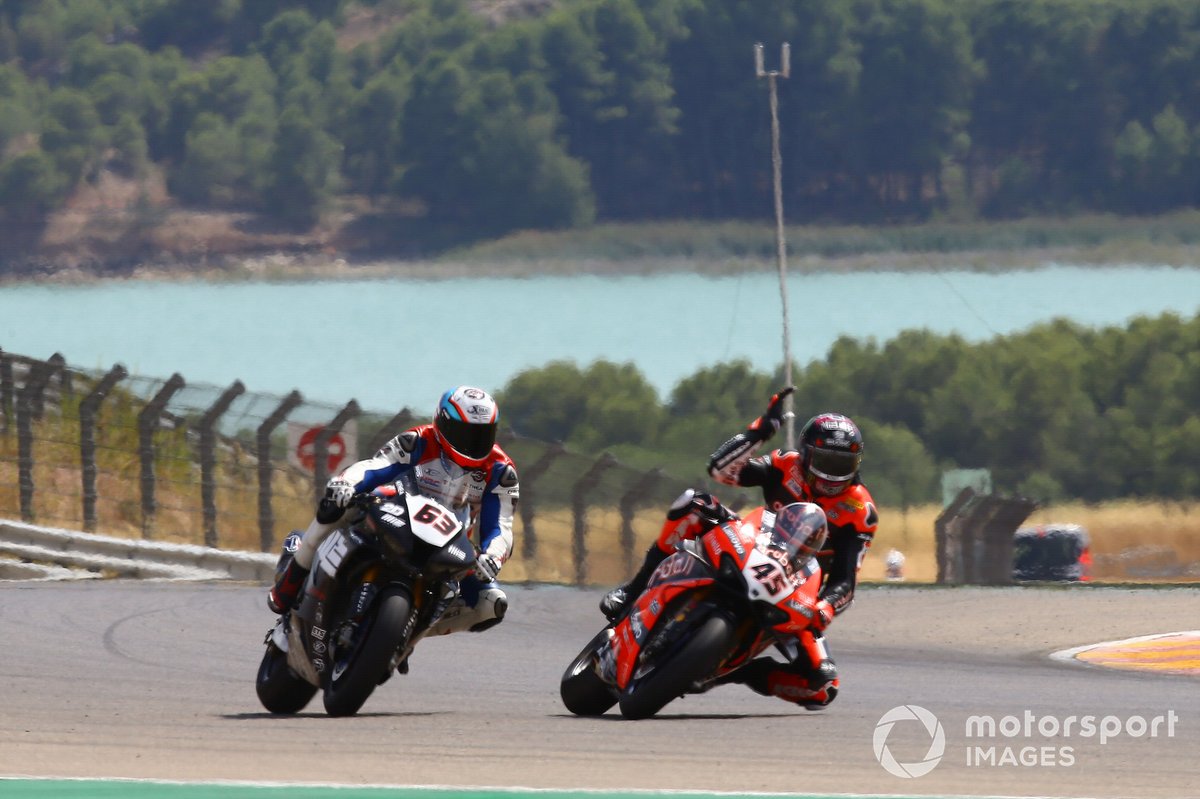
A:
[708,609]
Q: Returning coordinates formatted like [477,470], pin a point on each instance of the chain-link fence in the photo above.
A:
[163,459]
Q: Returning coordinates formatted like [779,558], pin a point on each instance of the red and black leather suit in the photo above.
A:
[809,676]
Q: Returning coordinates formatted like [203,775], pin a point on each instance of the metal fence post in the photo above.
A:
[149,419]
[39,379]
[266,517]
[527,508]
[25,485]
[321,446]
[208,459]
[30,403]
[579,513]
[392,428]
[87,441]
[641,489]
[6,391]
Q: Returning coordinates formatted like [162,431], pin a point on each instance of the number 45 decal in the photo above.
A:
[771,577]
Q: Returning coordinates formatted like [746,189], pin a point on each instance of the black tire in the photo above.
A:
[582,690]
[696,658]
[280,689]
[368,664]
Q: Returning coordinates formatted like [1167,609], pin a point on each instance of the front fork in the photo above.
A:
[427,605]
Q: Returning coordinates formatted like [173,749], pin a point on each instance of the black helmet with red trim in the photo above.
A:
[831,448]
[465,422]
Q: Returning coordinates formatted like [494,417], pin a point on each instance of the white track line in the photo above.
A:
[1072,655]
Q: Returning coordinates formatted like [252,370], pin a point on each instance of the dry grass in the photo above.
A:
[179,516]
[1130,540]
[1137,540]
[911,532]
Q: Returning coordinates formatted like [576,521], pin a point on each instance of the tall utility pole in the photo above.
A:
[785,61]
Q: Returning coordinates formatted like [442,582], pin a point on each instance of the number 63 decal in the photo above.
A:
[436,518]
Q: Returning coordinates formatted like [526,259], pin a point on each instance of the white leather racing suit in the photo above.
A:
[484,499]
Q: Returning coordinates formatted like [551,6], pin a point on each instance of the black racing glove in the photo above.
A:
[767,425]
[704,505]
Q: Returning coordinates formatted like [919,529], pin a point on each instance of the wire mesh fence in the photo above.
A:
[163,459]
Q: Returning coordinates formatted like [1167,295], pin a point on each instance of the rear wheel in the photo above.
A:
[582,690]
[279,688]
[697,658]
[356,673]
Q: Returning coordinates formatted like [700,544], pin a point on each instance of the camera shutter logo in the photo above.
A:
[937,743]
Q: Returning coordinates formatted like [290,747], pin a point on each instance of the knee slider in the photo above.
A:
[825,674]
[489,609]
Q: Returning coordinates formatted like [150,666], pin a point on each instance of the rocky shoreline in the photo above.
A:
[82,247]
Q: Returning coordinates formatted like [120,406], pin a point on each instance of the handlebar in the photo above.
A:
[364,500]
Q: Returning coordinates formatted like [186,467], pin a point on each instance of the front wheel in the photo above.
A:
[582,690]
[280,689]
[697,658]
[356,673]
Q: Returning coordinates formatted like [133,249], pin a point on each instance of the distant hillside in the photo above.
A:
[188,132]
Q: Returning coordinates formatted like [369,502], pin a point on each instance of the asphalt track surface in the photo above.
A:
[155,680]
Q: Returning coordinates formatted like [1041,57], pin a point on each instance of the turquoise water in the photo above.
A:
[391,343]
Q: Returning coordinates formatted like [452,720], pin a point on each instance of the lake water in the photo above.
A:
[395,343]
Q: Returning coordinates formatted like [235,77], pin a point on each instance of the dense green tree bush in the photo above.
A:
[1056,412]
[563,113]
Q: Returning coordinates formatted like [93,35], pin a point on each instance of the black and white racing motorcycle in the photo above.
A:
[376,587]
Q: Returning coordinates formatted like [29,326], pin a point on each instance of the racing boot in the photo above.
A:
[289,579]
[810,687]
[615,602]
[822,698]
[706,685]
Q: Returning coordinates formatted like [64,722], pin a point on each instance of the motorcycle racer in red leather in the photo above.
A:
[824,469]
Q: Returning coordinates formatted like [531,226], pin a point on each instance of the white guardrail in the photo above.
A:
[31,552]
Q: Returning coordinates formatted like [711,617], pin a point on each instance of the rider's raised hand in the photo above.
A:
[769,423]
[486,567]
[339,491]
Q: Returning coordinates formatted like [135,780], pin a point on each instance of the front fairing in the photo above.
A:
[676,588]
[420,535]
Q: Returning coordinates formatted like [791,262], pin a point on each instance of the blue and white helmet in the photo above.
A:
[465,422]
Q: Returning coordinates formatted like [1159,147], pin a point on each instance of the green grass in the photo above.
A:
[733,246]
